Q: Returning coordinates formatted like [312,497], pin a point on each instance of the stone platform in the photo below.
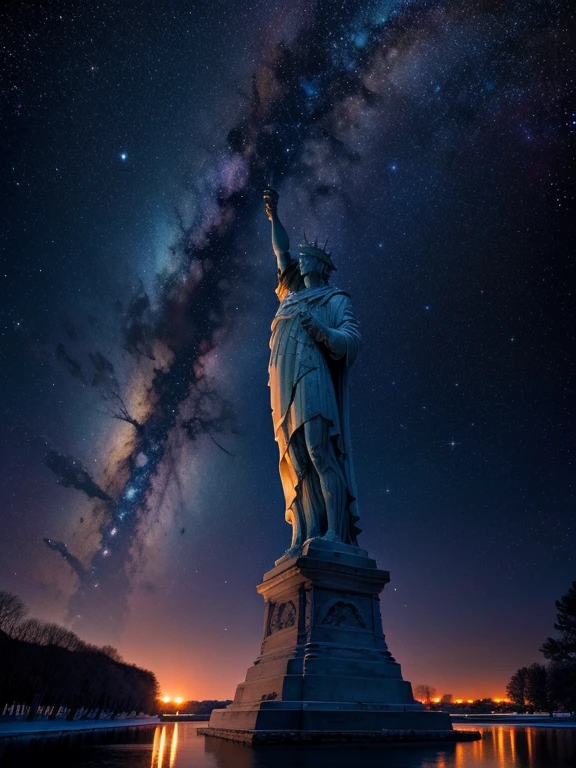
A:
[324,669]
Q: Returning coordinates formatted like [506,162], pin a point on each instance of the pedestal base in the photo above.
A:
[324,668]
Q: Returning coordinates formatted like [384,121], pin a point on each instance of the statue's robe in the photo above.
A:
[307,380]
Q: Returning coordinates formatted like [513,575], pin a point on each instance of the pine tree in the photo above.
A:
[516,688]
[563,649]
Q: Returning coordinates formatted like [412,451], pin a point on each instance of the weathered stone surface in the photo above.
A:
[324,664]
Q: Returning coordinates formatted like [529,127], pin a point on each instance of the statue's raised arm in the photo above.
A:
[280,240]
[315,339]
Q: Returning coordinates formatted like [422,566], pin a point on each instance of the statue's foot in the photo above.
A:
[331,536]
[289,554]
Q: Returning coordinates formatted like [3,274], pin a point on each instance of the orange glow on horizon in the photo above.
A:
[166,699]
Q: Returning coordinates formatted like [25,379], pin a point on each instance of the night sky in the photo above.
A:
[433,143]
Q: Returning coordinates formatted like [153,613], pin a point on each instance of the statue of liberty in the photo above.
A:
[314,341]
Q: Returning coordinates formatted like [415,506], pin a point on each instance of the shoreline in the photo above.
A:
[19,728]
[535,721]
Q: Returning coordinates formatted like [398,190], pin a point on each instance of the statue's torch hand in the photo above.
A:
[271,198]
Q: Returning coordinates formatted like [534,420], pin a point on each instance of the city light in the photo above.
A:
[178,700]
[166,699]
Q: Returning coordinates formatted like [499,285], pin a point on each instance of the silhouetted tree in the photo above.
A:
[47,633]
[536,688]
[46,665]
[425,692]
[12,610]
[112,653]
[561,652]
[563,649]
[562,685]
[516,688]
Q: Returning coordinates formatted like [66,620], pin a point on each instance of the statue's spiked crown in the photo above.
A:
[313,249]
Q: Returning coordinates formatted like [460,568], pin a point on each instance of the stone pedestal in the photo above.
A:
[324,666]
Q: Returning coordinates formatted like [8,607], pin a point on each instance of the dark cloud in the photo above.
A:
[73,562]
[72,474]
[103,375]
[73,366]
[137,329]
[70,329]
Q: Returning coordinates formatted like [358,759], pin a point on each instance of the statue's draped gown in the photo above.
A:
[307,381]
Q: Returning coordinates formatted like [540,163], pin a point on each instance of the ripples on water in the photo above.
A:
[177,745]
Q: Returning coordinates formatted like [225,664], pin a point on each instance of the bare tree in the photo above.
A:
[12,610]
[425,693]
[112,653]
[46,633]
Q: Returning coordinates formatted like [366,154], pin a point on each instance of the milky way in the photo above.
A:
[295,94]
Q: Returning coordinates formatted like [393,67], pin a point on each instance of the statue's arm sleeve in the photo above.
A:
[280,243]
[344,340]
[289,279]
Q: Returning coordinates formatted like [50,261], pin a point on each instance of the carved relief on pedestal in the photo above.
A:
[308,616]
[281,616]
[344,614]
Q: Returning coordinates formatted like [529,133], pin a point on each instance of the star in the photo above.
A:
[123,156]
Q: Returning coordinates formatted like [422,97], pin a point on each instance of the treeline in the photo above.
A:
[426,694]
[551,687]
[47,670]
[193,707]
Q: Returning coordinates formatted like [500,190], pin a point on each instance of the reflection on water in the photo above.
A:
[504,746]
[501,746]
[178,745]
[159,754]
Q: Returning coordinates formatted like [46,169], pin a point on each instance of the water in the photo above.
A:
[177,745]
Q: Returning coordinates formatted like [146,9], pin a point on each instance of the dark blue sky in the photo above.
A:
[434,144]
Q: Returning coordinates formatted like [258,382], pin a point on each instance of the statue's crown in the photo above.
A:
[313,249]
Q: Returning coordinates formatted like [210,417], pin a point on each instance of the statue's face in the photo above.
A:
[310,265]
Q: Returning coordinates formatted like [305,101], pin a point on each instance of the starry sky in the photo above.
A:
[433,143]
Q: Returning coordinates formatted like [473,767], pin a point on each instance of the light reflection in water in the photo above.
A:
[530,734]
[155,747]
[502,746]
[512,745]
[174,746]
[159,746]
[508,746]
